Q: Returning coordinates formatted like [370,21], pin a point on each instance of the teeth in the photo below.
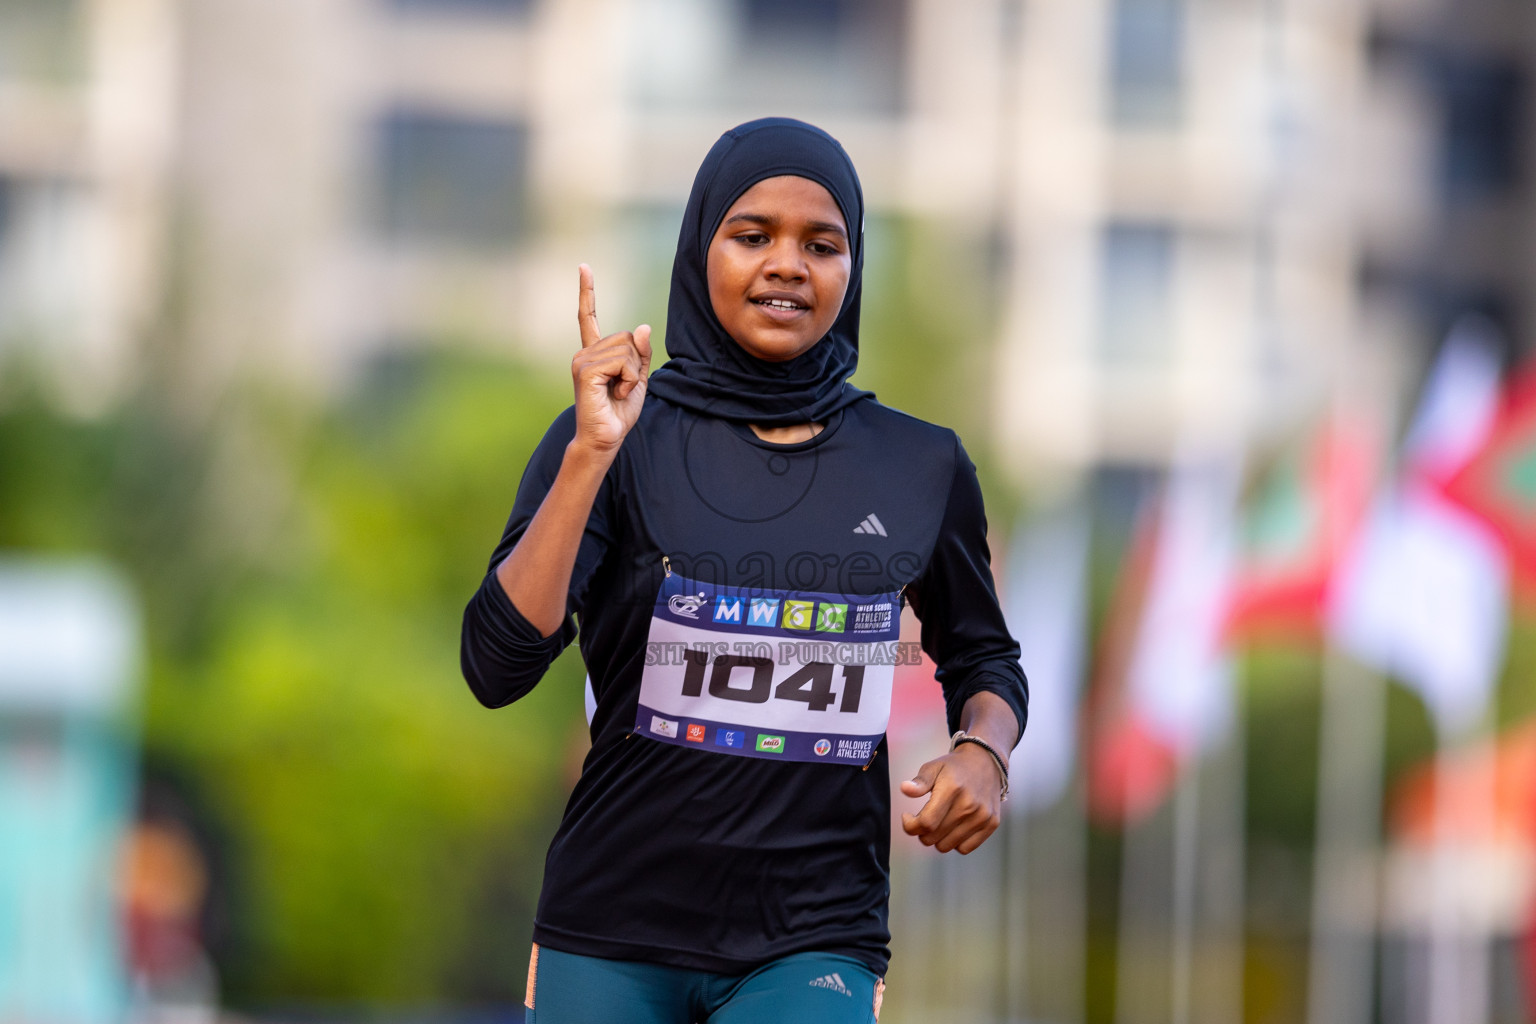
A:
[781,304]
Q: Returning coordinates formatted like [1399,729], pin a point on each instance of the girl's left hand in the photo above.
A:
[964,800]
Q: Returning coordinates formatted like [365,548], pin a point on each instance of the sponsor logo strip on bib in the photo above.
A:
[757,614]
[782,675]
[724,737]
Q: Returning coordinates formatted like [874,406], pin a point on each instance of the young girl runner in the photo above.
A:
[736,534]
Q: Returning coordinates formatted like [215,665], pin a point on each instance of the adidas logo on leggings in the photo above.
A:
[833,982]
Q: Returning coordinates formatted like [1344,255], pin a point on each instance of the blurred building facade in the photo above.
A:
[1205,217]
[1462,74]
[1231,216]
[87,117]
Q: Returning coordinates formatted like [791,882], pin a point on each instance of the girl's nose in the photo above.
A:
[784,261]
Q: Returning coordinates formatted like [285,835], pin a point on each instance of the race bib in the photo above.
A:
[787,675]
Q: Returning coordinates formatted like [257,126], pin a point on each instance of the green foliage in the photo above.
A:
[924,339]
[1281,705]
[1517,687]
[304,571]
[919,350]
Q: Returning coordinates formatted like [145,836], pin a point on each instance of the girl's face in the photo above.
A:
[778,267]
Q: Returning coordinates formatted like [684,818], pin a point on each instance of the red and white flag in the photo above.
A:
[1424,592]
[1174,697]
[1180,680]
[1305,515]
[1498,484]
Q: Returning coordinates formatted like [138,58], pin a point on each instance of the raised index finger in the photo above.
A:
[586,309]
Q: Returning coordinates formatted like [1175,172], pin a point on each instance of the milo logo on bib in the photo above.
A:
[784,675]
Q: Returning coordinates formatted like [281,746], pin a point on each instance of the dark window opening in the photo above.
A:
[1120,495]
[42,39]
[1147,54]
[1482,111]
[1481,124]
[451,179]
[498,8]
[842,54]
[6,189]
[1436,302]
[810,20]
[1136,279]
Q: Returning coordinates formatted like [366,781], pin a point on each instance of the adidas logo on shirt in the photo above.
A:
[833,982]
[871,525]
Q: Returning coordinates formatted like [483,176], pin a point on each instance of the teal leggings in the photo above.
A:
[806,988]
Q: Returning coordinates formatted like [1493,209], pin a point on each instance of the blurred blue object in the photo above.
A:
[68,658]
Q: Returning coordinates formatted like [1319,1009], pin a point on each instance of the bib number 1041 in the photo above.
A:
[810,685]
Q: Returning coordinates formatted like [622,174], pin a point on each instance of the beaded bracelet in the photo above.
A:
[961,736]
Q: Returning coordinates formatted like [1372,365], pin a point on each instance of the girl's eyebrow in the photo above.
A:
[768,221]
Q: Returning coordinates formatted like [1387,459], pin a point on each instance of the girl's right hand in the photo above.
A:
[610,376]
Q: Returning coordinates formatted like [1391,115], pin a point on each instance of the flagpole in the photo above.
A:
[1238,870]
[1135,842]
[1186,841]
[1044,596]
[1460,967]
[1481,960]
[1425,594]
[1209,817]
[1073,916]
[1226,862]
[1345,874]
[951,908]
[1054,870]
[1015,894]
[1184,684]
[1444,998]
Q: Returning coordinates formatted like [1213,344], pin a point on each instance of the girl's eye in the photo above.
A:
[752,238]
[823,248]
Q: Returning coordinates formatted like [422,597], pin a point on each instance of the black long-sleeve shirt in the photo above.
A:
[671,849]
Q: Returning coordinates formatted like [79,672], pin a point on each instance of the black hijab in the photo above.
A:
[707,371]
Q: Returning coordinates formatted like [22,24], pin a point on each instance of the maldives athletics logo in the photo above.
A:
[823,748]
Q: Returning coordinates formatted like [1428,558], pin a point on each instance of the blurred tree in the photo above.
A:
[383,803]
[304,572]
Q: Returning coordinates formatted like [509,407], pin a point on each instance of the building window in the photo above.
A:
[10,286]
[452,180]
[1146,62]
[45,232]
[1136,279]
[1119,493]
[6,190]
[1481,128]
[498,8]
[1482,101]
[41,39]
[811,21]
[829,54]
